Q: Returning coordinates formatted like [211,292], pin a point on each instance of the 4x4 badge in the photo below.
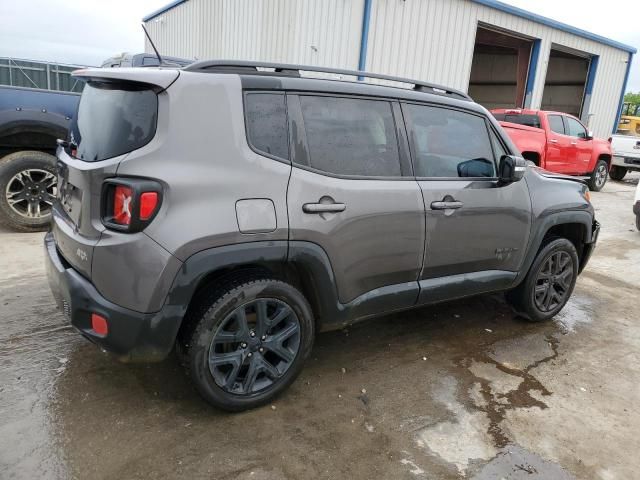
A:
[505,253]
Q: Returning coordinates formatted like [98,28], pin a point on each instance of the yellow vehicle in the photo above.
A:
[630,120]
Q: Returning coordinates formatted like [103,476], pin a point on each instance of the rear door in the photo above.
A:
[561,153]
[351,192]
[583,146]
[477,230]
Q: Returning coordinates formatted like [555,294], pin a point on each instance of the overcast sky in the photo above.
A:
[85,32]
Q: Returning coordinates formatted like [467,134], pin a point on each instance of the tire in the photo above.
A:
[599,176]
[523,297]
[617,173]
[638,222]
[247,367]
[23,175]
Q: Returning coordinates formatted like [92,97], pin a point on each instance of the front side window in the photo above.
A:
[113,119]
[575,128]
[266,116]
[348,136]
[449,143]
[555,124]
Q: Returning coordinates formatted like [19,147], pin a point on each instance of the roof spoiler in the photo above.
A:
[158,77]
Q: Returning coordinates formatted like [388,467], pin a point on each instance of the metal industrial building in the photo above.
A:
[501,55]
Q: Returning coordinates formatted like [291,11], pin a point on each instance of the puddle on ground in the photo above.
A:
[515,463]
[578,311]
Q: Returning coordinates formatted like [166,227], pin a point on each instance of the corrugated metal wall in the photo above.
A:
[430,40]
[33,74]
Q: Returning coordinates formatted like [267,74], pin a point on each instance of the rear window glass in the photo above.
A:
[113,120]
[266,116]
[528,120]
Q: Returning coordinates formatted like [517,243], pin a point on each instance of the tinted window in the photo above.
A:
[449,143]
[349,136]
[555,124]
[575,128]
[113,120]
[528,120]
[267,123]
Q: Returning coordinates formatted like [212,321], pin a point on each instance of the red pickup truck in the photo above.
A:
[558,142]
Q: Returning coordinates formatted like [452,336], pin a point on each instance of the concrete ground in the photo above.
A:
[457,390]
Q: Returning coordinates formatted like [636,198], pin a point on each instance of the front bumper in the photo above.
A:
[590,245]
[132,336]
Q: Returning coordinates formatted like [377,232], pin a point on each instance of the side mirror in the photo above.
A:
[512,169]
[589,135]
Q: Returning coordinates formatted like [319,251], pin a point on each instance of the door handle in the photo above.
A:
[445,205]
[553,140]
[574,143]
[323,207]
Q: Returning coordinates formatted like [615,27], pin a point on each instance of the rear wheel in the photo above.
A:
[599,176]
[249,343]
[549,283]
[27,190]
[617,173]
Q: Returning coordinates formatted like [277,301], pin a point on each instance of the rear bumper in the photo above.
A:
[590,246]
[632,163]
[132,336]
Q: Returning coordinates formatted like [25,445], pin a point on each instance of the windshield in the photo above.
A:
[528,120]
[113,119]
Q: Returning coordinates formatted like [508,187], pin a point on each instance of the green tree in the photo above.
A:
[633,98]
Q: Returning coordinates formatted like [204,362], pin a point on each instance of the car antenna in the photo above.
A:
[152,44]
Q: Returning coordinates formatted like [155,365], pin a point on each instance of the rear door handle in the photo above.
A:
[446,205]
[323,207]
[574,143]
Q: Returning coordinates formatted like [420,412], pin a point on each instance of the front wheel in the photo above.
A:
[617,173]
[549,283]
[599,176]
[27,190]
[249,343]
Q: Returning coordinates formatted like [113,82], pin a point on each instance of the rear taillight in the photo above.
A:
[129,205]
[122,197]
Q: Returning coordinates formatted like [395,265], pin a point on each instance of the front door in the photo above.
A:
[351,193]
[561,151]
[583,146]
[477,230]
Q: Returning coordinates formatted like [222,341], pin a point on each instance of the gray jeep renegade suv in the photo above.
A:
[236,209]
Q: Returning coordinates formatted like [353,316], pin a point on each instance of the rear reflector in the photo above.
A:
[99,324]
[148,204]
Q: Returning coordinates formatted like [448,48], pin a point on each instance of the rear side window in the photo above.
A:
[556,124]
[348,136]
[266,120]
[112,120]
[449,143]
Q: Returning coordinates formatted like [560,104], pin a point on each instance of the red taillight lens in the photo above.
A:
[148,205]
[99,324]
[122,197]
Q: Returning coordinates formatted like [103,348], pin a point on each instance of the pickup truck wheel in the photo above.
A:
[617,173]
[638,222]
[249,343]
[27,190]
[549,283]
[599,176]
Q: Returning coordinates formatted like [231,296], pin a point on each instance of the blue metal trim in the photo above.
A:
[364,39]
[531,75]
[553,24]
[588,88]
[166,8]
[624,89]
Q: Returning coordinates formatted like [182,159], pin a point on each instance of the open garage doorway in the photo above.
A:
[499,68]
[566,83]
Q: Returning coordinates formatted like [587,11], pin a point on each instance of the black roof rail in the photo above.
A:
[285,69]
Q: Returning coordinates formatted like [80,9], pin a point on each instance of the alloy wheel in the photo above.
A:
[254,346]
[601,176]
[553,282]
[30,193]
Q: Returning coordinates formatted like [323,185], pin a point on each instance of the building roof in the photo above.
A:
[518,12]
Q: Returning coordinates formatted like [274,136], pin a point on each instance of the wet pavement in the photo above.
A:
[461,390]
